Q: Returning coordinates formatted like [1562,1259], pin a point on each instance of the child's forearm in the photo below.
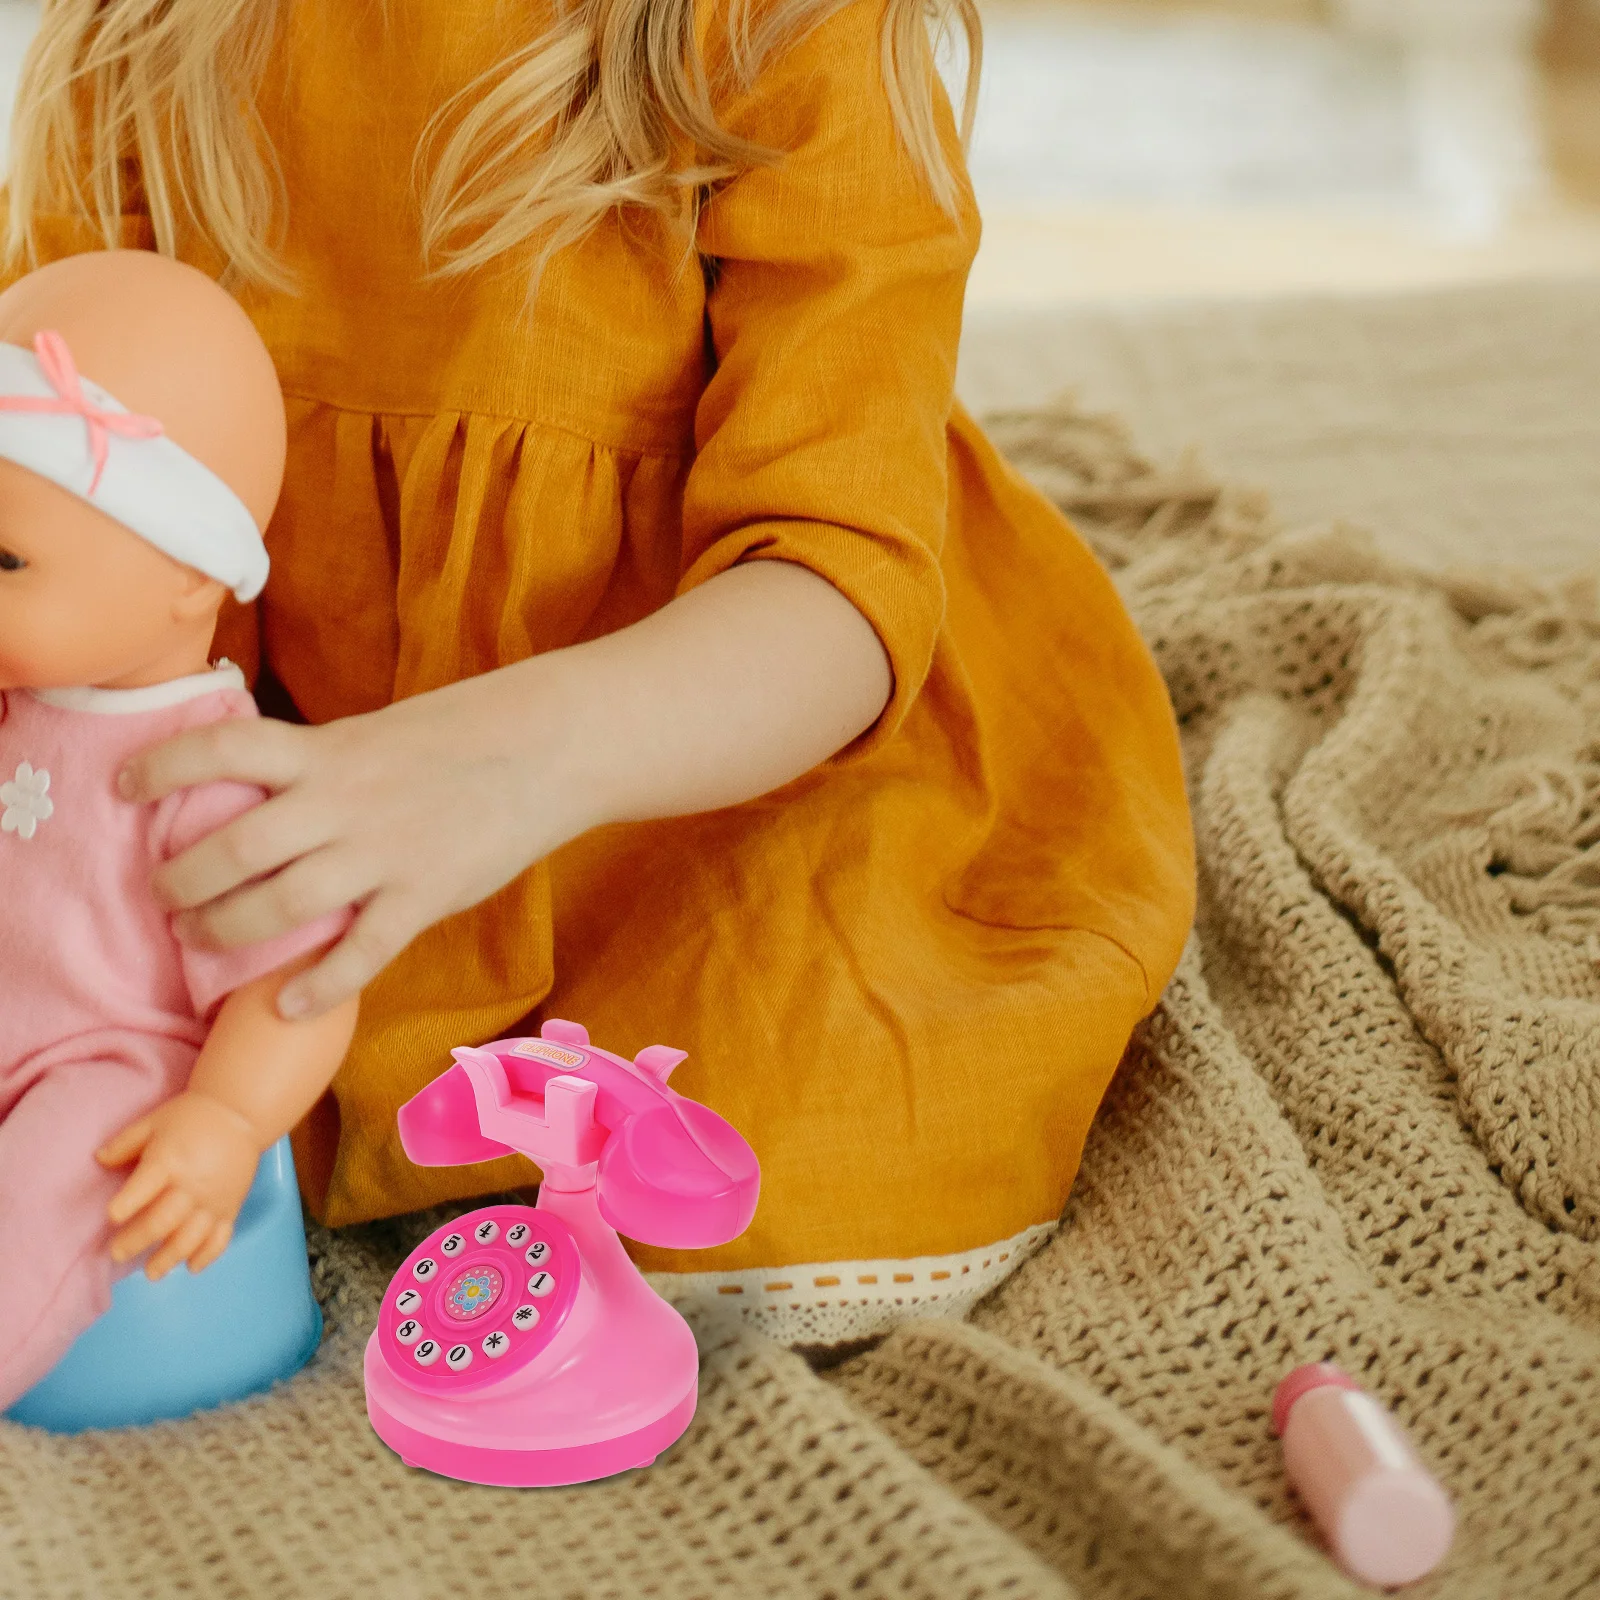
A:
[268,1070]
[729,692]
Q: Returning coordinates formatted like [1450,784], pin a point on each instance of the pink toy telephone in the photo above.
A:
[519,1345]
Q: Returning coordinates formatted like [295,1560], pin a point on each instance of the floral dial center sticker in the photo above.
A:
[473,1293]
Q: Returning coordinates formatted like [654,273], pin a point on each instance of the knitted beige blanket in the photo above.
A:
[1363,1125]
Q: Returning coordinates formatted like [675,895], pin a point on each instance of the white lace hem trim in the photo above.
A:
[834,1302]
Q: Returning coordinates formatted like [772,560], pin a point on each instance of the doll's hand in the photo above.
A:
[197,1159]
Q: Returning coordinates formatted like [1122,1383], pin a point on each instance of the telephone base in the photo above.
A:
[484,1370]
[533,1469]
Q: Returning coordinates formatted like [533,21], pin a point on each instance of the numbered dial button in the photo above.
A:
[486,1232]
[409,1331]
[426,1270]
[541,1284]
[525,1317]
[515,1234]
[537,1254]
[408,1302]
[459,1357]
[426,1353]
[496,1345]
[453,1245]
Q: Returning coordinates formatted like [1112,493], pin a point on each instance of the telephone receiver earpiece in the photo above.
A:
[667,1171]
[439,1126]
[678,1177]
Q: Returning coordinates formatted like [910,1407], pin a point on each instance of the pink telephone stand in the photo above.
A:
[519,1345]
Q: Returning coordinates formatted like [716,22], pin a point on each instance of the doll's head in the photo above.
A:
[125,522]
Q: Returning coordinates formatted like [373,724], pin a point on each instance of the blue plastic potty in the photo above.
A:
[194,1340]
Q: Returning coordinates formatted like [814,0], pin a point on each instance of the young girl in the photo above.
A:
[656,642]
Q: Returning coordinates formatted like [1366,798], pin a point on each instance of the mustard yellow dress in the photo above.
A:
[907,977]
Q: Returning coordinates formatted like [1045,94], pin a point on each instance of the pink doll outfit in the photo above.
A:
[102,1011]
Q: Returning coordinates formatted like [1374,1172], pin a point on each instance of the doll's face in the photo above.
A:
[85,601]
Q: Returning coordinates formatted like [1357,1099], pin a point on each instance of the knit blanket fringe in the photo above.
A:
[1154,527]
[1363,1124]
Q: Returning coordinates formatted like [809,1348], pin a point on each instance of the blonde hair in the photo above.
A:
[153,101]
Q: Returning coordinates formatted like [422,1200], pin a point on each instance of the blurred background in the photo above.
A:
[1181,147]
[1349,250]
[1163,148]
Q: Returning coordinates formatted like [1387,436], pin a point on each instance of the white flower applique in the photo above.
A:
[27,802]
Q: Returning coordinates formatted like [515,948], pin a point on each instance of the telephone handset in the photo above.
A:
[519,1345]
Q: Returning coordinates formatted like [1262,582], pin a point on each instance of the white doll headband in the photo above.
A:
[72,432]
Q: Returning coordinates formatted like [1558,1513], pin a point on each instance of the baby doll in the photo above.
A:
[127,512]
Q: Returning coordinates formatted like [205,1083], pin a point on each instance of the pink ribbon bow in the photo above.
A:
[55,360]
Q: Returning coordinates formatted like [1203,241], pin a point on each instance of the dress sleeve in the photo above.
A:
[834,312]
[212,975]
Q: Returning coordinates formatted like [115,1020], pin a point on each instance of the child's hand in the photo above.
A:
[197,1159]
[410,813]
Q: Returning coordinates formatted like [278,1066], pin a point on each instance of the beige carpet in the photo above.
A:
[1363,1125]
[1459,426]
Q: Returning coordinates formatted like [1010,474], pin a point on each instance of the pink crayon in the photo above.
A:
[1386,1520]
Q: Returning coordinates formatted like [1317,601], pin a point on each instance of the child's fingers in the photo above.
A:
[121,1149]
[221,1233]
[252,849]
[154,1222]
[149,1178]
[246,750]
[190,1235]
[382,929]
[323,881]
